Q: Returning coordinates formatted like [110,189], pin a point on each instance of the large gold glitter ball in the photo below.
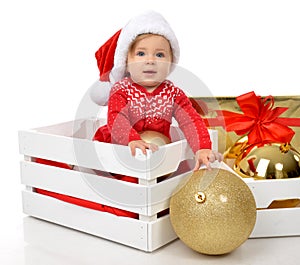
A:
[213,212]
[155,138]
[270,161]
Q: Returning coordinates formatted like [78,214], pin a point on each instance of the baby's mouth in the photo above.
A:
[149,72]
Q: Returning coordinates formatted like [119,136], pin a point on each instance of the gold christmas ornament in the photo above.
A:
[213,212]
[155,138]
[270,161]
[237,149]
[267,161]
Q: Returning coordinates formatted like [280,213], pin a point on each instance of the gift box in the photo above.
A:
[278,200]
[227,139]
[80,175]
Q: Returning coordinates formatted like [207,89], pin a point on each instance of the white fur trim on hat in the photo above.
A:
[149,22]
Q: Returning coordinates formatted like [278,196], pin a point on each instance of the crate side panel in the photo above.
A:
[81,152]
[102,156]
[159,194]
[47,146]
[160,233]
[111,192]
[266,191]
[167,159]
[46,143]
[123,230]
[277,222]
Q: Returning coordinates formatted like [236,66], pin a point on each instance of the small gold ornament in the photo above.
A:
[213,212]
[154,137]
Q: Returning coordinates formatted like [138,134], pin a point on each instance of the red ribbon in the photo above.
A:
[260,120]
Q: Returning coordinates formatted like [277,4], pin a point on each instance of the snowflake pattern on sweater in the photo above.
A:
[132,110]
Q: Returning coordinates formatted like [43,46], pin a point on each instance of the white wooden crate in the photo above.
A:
[274,222]
[71,143]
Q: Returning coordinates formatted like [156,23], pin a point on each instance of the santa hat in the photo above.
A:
[112,56]
[105,56]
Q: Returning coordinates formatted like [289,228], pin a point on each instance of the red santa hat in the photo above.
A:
[112,56]
[105,56]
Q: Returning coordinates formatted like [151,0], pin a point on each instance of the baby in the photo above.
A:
[142,98]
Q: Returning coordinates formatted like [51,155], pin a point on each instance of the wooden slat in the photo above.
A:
[266,191]
[277,222]
[102,156]
[146,236]
[111,192]
[123,230]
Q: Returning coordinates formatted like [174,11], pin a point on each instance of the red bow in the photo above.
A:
[260,120]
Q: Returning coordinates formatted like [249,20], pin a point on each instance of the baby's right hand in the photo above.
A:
[141,145]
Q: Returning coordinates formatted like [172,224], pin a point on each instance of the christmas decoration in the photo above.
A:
[265,161]
[213,212]
[264,149]
[259,121]
[155,138]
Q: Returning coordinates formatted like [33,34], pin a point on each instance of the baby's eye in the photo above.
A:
[140,53]
[160,55]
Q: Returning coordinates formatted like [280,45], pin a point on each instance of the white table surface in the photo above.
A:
[32,241]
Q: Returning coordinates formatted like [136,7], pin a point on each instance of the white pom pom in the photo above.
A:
[99,92]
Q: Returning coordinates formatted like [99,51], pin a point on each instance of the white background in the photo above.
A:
[47,61]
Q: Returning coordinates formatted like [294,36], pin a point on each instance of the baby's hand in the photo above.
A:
[206,156]
[142,145]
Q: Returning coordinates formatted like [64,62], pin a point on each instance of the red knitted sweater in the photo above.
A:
[132,109]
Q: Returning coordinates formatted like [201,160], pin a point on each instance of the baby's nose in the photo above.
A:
[150,59]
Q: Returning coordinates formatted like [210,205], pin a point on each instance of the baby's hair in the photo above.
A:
[144,36]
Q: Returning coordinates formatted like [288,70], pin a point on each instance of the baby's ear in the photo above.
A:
[99,92]
[127,74]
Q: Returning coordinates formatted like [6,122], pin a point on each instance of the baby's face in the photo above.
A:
[149,61]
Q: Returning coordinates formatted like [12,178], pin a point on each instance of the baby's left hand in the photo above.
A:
[206,156]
